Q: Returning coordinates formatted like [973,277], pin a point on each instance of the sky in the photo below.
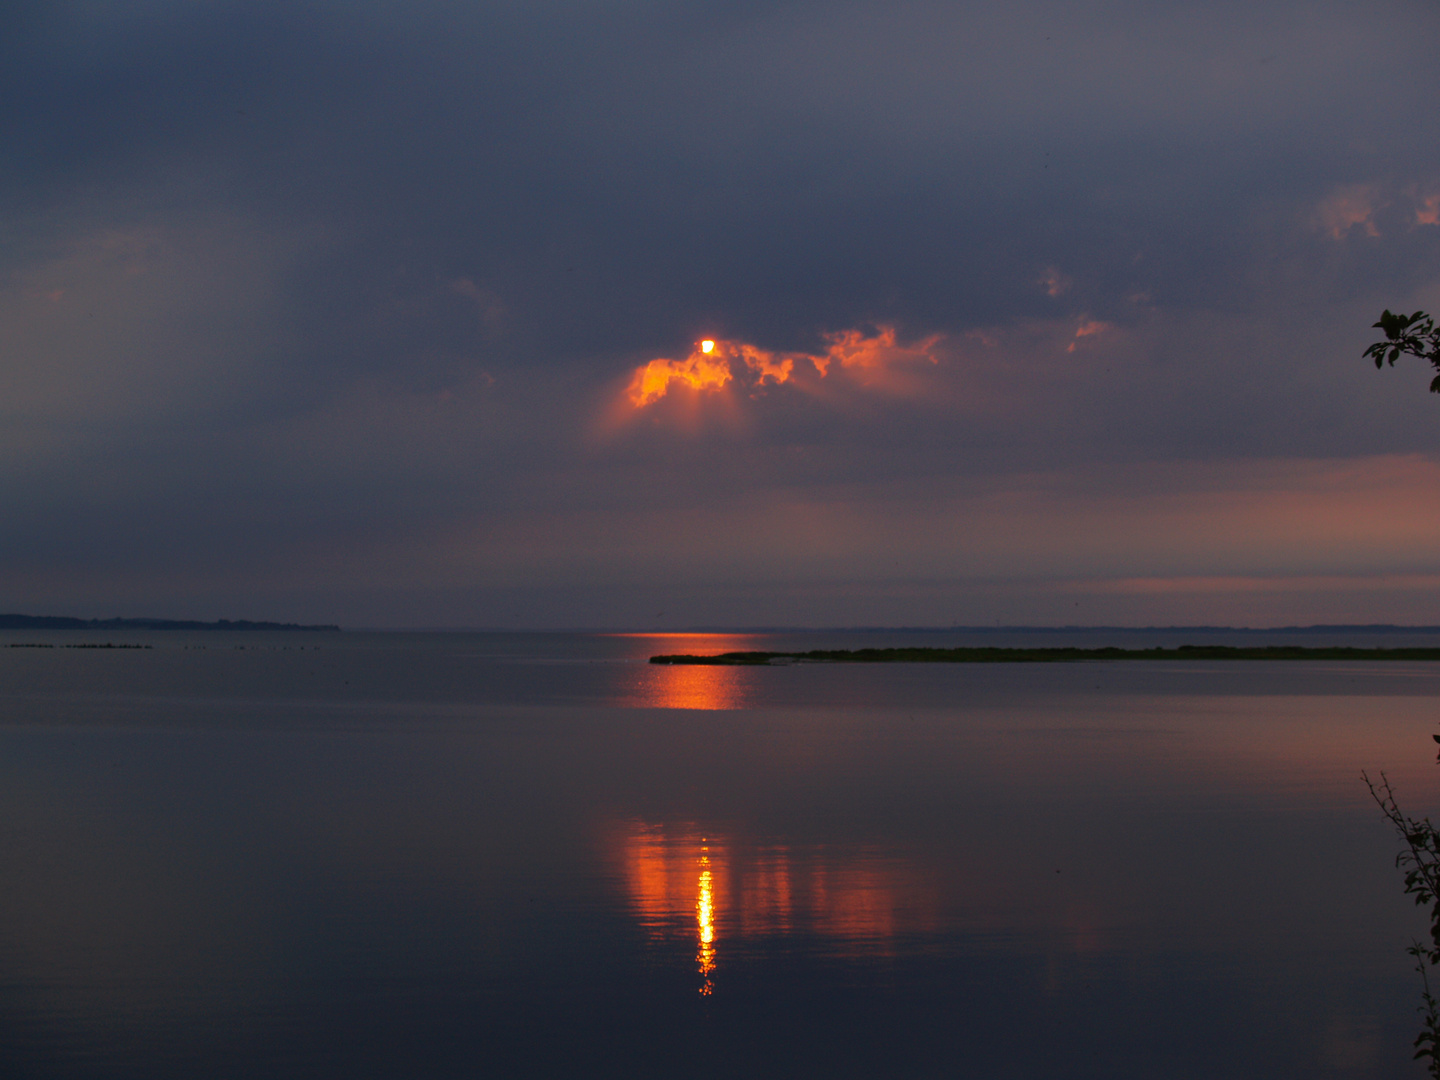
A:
[1028,314]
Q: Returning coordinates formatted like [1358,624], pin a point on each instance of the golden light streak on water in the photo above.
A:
[687,887]
[687,686]
[705,921]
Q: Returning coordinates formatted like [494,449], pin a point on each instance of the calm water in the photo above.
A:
[436,855]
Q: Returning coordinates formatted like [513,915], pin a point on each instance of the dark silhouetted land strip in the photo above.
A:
[79,645]
[1047,656]
[60,622]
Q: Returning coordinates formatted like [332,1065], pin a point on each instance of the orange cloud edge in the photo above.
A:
[714,364]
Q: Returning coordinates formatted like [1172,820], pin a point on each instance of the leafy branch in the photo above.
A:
[1412,335]
[1420,859]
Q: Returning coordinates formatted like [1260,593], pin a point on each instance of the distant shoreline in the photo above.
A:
[1313,628]
[1043,655]
[60,622]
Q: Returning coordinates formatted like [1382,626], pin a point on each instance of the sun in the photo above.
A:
[715,365]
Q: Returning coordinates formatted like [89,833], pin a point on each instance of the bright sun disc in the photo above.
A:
[707,346]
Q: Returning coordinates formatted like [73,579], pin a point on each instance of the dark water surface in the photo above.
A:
[435,855]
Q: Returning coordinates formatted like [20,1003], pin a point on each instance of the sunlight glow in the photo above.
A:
[714,365]
[699,371]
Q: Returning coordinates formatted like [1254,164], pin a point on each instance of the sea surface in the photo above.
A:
[535,855]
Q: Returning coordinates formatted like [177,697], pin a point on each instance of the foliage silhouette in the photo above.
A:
[1413,335]
[1420,859]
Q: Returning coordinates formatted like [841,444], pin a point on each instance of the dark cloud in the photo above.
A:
[293,293]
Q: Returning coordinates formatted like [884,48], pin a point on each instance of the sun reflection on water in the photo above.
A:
[684,686]
[688,885]
[681,686]
[705,920]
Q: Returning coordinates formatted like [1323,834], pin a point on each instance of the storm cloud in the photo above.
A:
[328,312]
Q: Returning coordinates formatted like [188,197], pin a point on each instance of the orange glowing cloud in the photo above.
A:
[703,369]
[713,365]
[1428,212]
[852,349]
[1054,282]
[1347,207]
[1086,328]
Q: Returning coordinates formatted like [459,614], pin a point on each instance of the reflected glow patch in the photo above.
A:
[683,686]
[686,883]
[712,365]
[705,921]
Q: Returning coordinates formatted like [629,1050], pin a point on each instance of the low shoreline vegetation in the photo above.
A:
[1046,655]
[79,645]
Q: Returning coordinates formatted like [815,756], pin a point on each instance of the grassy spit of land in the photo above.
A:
[1046,656]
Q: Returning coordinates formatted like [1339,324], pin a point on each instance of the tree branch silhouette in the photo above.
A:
[1411,335]
[1420,859]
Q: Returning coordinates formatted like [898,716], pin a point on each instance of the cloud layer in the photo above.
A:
[353,313]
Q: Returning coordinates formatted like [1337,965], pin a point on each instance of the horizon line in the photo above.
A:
[1022,628]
